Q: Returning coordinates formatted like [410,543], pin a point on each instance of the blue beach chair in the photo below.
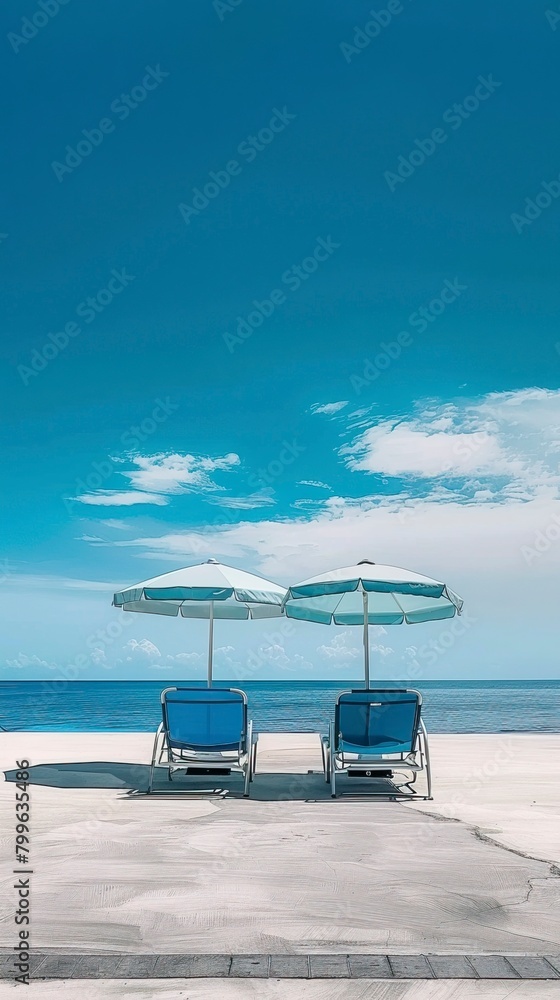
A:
[378,734]
[205,731]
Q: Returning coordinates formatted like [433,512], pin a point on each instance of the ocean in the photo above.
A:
[277,706]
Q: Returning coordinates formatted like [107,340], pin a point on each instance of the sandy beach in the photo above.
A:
[209,989]
[290,871]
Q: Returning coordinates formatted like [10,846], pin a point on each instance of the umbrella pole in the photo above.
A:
[366,637]
[210,643]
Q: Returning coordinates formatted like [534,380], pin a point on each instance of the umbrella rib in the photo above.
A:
[338,603]
[400,607]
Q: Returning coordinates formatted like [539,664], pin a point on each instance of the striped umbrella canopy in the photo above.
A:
[209,590]
[370,594]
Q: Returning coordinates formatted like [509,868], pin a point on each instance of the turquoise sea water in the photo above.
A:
[277,706]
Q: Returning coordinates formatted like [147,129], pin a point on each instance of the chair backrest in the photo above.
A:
[205,719]
[378,721]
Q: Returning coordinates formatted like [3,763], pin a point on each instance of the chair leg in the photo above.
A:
[325,759]
[248,768]
[332,762]
[427,756]
[154,755]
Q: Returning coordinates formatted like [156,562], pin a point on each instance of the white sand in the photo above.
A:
[290,870]
[246,989]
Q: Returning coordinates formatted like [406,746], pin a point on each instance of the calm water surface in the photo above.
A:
[278,706]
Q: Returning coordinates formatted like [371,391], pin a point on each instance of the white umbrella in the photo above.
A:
[209,590]
[369,594]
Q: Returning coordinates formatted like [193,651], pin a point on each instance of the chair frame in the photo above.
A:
[337,761]
[242,761]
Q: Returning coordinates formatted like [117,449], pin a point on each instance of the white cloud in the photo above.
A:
[141,651]
[225,658]
[511,436]
[118,498]
[478,549]
[187,659]
[314,482]
[309,504]
[301,664]
[275,654]
[245,663]
[380,650]
[340,650]
[410,450]
[251,502]
[178,473]
[39,582]
[98,657]
[23,662]
[116,524]
[156,477]
[343,649]
[329,408]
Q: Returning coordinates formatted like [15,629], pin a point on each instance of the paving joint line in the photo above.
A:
[476,975]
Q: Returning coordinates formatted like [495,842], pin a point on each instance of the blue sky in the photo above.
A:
[280,287]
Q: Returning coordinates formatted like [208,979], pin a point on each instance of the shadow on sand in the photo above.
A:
[133,780]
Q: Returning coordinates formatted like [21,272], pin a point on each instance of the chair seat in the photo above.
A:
[384,750]
[207,755]
[384,763]
[378,751]
[204,748]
